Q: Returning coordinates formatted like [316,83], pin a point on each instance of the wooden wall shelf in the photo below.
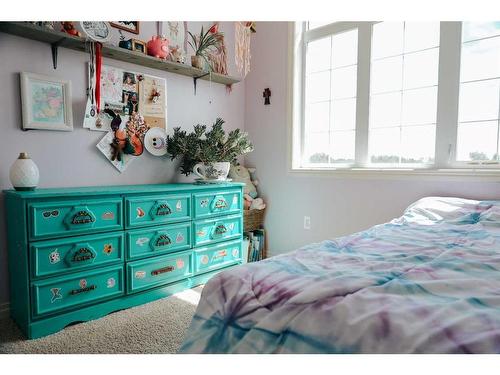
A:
[60,39]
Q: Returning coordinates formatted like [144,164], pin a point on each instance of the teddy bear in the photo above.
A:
[239,173]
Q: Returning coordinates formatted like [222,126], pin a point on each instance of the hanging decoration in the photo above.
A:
[242,32]
[218,58]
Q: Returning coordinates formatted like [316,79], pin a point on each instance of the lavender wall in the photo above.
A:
[336,205]
[71,159]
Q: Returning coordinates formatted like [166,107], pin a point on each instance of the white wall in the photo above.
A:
[337,206]
[71,159]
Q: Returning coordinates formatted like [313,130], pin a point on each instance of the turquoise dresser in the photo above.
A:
[77,254]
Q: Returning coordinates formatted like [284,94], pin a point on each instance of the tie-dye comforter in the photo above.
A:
[427,282]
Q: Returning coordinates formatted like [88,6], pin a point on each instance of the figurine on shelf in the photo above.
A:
[69,28]
[158,47]
[177,55]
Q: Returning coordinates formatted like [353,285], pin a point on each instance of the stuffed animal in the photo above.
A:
[239,173]
[69,27]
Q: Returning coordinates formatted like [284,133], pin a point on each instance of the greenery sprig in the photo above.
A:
[202,146]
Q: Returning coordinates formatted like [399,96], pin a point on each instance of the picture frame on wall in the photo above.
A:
[130,26]
[45,102]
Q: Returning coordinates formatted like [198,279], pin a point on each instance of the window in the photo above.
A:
[403,92]
[392,95]
[330,98]
[479,105]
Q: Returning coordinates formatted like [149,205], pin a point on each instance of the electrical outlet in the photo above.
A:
[307,222]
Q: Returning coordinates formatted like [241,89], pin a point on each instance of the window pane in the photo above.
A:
[477,30]
[421,35]
[421,69]
[317,117]
[345,49]
[387,39]
[480,59]
[318,55]
[386,75]
[479,100]
[385,110]
[344,114]
[418,144]
[317,147]
[419,106]
[318,87]
[342,146]
[384,145]
[477,141]
[344,82]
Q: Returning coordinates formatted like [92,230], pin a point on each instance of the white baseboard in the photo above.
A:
[4,310]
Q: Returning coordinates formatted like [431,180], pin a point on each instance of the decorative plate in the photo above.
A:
[155,141]
[97,30]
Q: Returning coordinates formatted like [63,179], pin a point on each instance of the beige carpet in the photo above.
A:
[156,327]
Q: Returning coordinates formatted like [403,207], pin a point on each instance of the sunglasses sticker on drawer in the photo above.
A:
[54,257]
[48,214]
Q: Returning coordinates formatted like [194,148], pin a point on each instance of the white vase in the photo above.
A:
[24,174]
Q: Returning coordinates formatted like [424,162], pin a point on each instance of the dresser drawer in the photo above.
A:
[159,209]
[143,274]
[214,204]
[84,287]
[216,230]
[217,256]
[76,253]
[63,218]
[158,240]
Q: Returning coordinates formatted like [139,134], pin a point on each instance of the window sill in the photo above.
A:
[397,173]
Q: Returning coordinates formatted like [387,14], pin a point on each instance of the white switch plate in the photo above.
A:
[307,222]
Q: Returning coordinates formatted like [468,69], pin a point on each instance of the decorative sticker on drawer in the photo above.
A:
[140,213]
[219,254]
[180,263]
[140,274]
[54,257]
[235,199]
[56,294]
[235,253]
[178,206]
[204,203]
[204,259]
[83,283]
[110,283]
[48,214]
[201,233]
[141,241]
[108,249]
[108,215]
[179,238]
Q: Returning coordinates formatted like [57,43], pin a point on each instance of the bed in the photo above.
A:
[427,282]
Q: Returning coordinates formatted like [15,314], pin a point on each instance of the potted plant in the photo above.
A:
[208,154]
[204,44]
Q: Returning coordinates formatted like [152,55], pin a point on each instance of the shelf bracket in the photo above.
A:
[198,77]
[54,47]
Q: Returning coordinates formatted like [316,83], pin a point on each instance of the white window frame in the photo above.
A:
[447,105]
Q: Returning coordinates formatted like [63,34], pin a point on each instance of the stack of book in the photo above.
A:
[254,245]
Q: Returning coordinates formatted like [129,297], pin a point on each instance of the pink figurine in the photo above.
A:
[158,47]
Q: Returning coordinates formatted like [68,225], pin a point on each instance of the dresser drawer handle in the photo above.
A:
[80,217]
[160,209]
[162,270]
[219,204]
[161,241]
[83,290]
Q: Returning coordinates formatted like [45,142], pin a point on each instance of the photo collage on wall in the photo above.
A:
[139,101]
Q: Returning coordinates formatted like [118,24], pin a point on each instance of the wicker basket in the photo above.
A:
[253,219]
